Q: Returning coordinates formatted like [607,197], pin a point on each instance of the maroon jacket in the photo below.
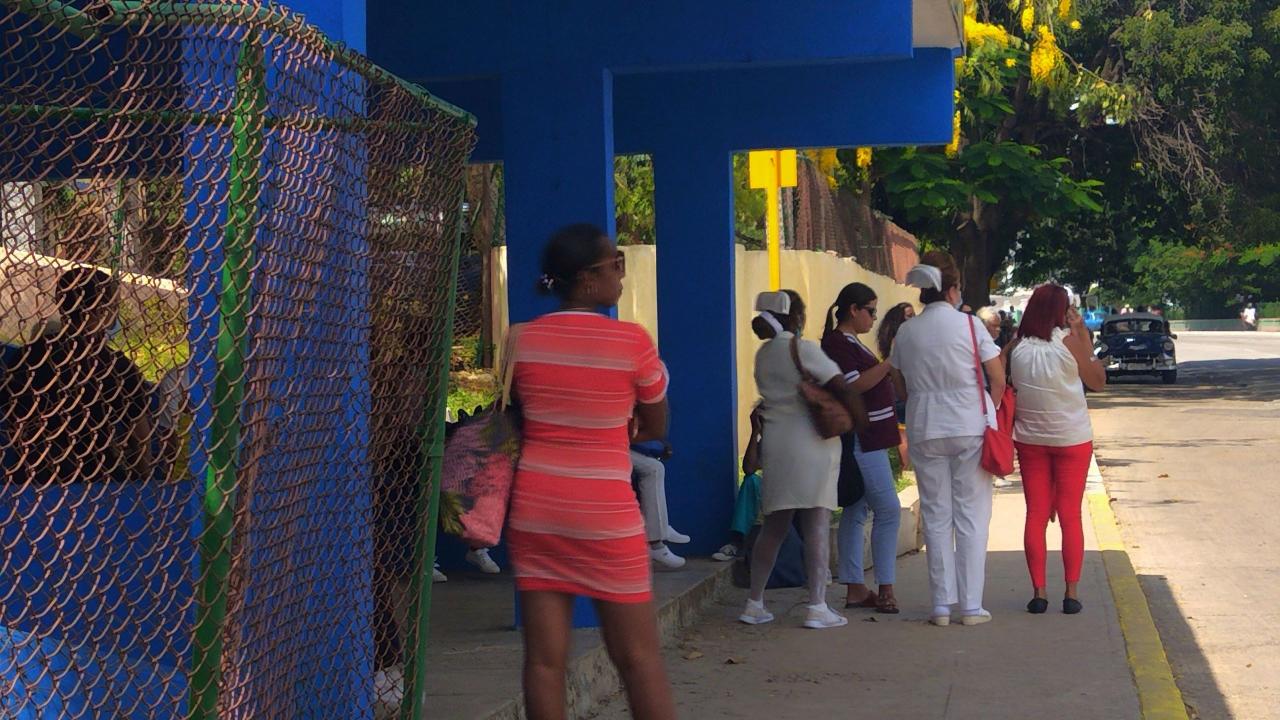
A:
[854,358]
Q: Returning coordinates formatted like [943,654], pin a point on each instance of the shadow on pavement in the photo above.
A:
[1191,669]
[1219,380]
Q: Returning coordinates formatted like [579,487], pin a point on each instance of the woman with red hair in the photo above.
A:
[1050,364]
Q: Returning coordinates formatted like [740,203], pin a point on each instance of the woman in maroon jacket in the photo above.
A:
[854,314]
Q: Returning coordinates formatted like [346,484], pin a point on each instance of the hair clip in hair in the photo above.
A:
[547,282]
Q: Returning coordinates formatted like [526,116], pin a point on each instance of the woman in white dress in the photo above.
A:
[800,466]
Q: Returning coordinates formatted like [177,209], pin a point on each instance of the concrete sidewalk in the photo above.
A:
[1017,666]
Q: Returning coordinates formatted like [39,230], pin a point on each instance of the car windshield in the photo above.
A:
[1135,326]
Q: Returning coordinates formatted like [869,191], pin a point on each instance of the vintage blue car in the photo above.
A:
[1138,344]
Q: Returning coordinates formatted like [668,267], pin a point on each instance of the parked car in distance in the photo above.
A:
[1138,344]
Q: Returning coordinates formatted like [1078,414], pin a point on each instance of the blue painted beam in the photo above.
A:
[444,39]
[907,102]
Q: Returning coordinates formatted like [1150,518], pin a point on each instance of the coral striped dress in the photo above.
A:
[574,525]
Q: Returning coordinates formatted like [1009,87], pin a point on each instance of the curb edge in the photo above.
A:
[1158,693]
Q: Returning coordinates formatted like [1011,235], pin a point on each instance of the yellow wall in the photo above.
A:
[817,276]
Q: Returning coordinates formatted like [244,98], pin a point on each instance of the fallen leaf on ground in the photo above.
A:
[732,661]
[1163,475]
[870,619]
[693,655]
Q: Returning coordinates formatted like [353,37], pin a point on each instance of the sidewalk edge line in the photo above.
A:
[1158,693]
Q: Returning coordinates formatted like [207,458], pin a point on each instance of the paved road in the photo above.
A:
[1194,470]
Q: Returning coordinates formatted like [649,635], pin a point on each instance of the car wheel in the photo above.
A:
[1169,376]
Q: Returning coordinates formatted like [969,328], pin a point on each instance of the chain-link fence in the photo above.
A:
[227,261]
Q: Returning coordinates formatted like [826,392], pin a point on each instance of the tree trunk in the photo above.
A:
[971,249]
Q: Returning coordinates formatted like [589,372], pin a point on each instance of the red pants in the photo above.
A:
[1053,479]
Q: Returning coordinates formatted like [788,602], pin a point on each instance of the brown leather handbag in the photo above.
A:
[830,416]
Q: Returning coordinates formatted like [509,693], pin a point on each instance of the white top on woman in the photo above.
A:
[1051,408]
[934,353]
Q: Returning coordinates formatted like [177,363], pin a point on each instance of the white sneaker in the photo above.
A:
[941,616]
[728,553]
[664,557]
[975,618]
[822,617]
[388,692]
[480,558]
[1002,482]
[755,614]
[437,576]
[675,536]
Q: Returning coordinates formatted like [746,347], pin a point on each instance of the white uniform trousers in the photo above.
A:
[955,507]
[651,477]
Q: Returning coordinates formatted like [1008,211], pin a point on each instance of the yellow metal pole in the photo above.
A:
[769,171]
[773,236]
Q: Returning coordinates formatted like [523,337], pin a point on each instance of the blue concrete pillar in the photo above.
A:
[693,197]
[558,130]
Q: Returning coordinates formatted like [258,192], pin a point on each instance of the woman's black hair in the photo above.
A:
[764,330]
[852,295]
[570,250]
[889,326]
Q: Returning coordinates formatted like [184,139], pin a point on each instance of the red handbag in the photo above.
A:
[997,442]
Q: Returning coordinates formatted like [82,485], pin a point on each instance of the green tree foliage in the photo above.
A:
[1128,144]
[633,197]
[1204,148]
[1006,172]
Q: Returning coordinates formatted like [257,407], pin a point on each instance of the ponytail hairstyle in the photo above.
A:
[570,251]
[946,265]
[851,296]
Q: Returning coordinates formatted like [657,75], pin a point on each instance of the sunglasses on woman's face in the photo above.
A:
[619,263]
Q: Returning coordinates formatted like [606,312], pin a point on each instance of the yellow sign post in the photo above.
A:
[771,170]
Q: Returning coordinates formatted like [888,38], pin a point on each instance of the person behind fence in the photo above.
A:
[74,408]
[650,476]
[934,363]
[853,314]
[1048,363]
[587,387]
[800,466]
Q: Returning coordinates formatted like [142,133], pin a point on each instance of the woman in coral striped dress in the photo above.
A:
[587,386]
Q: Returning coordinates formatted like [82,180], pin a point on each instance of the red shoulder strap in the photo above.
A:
[977,366]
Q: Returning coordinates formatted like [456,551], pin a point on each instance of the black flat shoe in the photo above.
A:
[1038,606]
[1071,606]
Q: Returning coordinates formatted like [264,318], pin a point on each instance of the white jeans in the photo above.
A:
[955,506]
[651,476]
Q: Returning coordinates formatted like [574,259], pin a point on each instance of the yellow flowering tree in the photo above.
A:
[1020,97]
